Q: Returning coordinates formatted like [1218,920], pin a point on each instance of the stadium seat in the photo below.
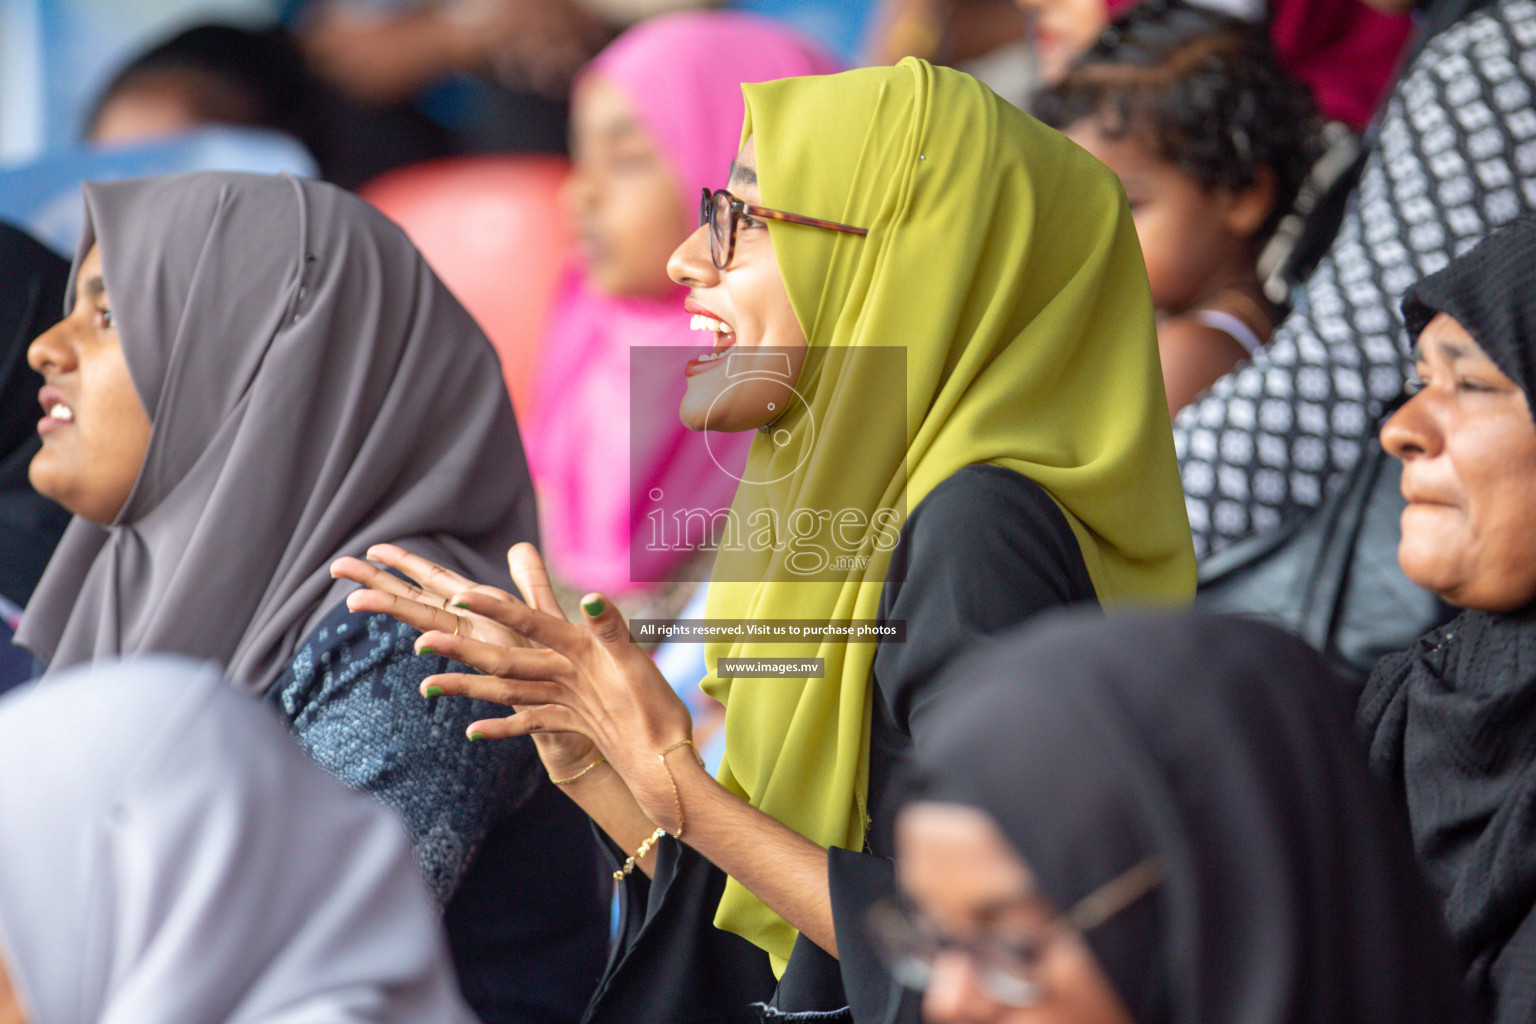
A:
[492,229]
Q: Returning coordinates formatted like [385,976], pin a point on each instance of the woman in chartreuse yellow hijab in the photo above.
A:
[958,296]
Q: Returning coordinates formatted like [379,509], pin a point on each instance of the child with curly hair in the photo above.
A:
[1212,141]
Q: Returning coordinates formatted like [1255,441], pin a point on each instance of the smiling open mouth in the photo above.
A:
[725,337]
[56,412]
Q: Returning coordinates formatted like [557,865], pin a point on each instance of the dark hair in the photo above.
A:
[1200,90]
[260,78]
[230,75]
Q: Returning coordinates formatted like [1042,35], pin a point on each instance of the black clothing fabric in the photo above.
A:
[528,926]
[1221,748]
[1490,291]
[985,550]
[17,665]
[1451,724]
[32,282]
[669,962]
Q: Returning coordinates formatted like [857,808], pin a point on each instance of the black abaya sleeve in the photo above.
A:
[985,551]
[670,963]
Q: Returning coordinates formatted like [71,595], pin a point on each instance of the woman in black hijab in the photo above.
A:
[32,281]
[1452,720]
[1159,818]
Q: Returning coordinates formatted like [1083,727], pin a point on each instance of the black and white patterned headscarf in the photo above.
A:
[1455,158]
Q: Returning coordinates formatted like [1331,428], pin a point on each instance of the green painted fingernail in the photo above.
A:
[461,604]
[477,736]
[425,650]
[434,690]
[593,607]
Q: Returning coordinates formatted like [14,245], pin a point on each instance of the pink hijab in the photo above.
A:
[683,74]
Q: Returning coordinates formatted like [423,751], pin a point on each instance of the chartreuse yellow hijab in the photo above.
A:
[1003,259]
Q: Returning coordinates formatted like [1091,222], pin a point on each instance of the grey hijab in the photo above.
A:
[168,855]
[313,389]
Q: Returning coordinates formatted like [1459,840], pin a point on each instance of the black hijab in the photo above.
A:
[1221,747]
[32,281]
[1452,720]
[1491,291]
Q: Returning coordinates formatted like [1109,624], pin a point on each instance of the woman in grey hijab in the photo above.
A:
[255,376]
[205,873]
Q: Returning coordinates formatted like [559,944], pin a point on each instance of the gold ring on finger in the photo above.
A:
[458,624]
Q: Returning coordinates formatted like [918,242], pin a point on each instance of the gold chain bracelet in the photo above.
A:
[651,840]
[677,797]
[573,778]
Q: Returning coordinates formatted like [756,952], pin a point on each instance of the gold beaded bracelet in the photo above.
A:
[651,840]
[573,778]
[645,848]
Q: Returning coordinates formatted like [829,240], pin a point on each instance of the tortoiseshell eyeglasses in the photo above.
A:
[720,210]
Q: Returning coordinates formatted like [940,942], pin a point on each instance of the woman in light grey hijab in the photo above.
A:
[168,856]
[256,375]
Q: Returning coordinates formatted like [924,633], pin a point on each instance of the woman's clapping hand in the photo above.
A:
[580,689]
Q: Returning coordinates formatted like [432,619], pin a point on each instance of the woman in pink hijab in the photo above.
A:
[655,118]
